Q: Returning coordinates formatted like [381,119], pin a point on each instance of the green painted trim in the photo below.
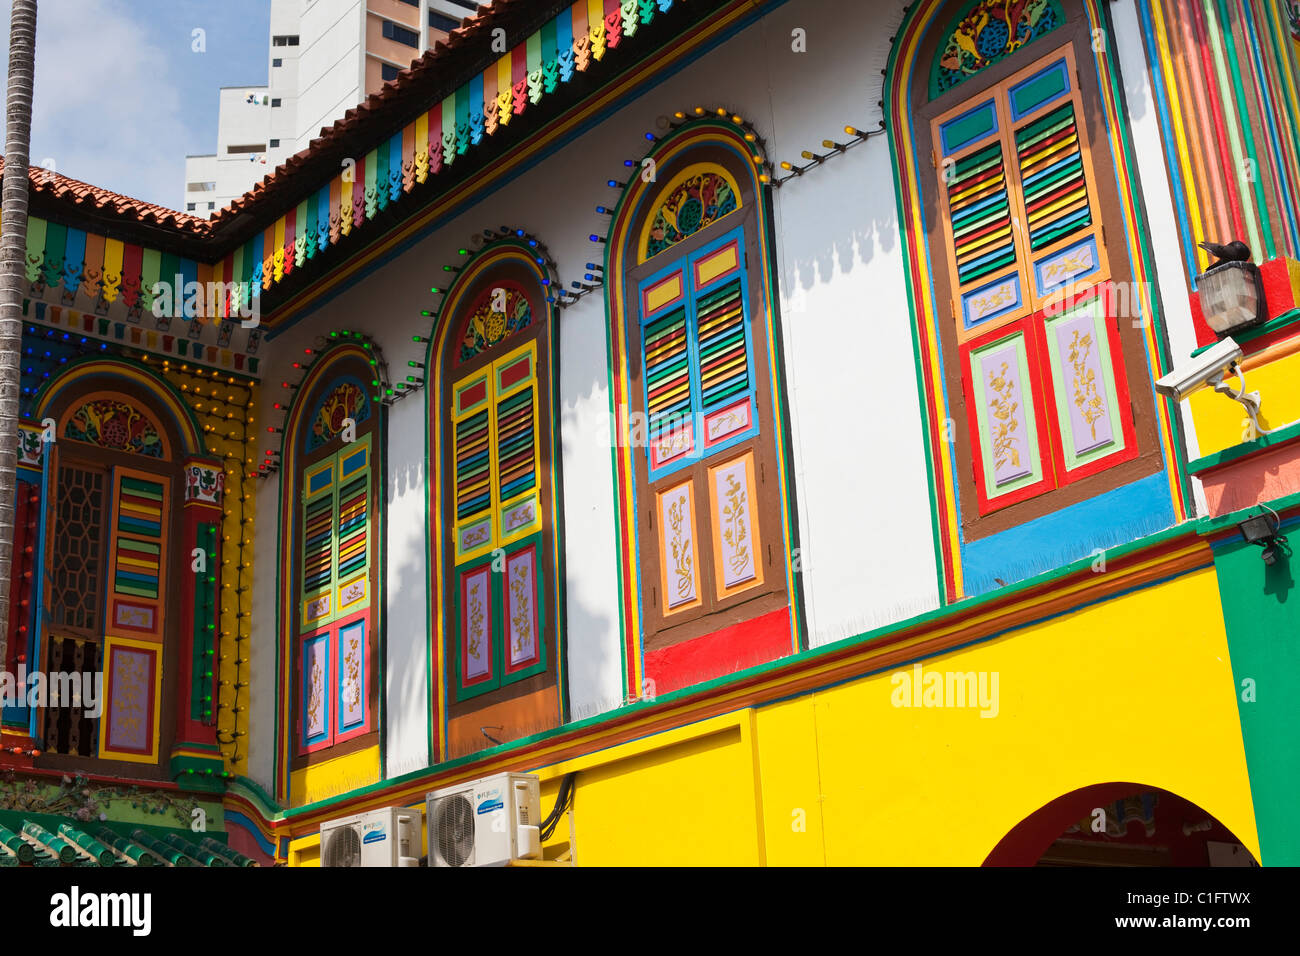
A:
[1259,331]
[205,588]
[380,598]
[190,773]
[1261,623]
[1283,435]
[427,490]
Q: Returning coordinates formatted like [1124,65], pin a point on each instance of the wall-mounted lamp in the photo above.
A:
[1231,290]
[1262,530]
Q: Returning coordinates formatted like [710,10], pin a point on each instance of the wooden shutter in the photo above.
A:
[133,632]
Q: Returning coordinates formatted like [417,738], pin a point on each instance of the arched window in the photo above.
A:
[330,592]
[117,592]
[702,471]
[493,504]
[1034,308]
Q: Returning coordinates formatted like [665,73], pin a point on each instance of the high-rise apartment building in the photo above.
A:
[325,56]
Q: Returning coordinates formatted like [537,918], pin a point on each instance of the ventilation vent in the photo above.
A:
[453,822]
[342,848]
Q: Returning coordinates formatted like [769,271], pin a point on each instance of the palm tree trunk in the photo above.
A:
[13,255]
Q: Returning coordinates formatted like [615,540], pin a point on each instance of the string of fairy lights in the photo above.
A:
[481,243]
[224,406]
[668,125]
[382,390]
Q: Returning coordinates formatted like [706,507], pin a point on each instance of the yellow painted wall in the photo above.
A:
[1136,689]
[333,777]
[1222,423]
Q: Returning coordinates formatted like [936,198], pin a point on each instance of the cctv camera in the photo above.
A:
[1203,370]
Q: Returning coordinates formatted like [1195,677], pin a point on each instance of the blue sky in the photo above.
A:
[120,95]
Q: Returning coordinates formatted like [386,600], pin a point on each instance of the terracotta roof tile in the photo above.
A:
[104,201]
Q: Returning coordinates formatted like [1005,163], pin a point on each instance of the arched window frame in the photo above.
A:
[534,692]
[151,694]
[332,625]
[721,143]
[1122,285]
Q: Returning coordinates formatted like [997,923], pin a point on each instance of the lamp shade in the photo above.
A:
[1231,297]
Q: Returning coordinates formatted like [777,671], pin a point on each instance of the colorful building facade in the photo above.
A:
[750,409]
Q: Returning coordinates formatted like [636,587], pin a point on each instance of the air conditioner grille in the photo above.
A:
[454,825]
[343,848]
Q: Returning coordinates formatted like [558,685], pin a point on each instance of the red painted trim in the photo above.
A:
[20,575]
[290,233]
[1204,334]
[1279,294]
[1127,429]
[519,64]
[1030,326]
[723,652]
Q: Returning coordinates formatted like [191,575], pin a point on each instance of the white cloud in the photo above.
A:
[106,108]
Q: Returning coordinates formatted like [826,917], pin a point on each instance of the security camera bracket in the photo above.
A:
[1248,400]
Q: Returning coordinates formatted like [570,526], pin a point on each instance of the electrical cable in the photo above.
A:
[563,801]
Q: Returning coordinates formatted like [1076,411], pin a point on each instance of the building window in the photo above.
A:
[388,72]
[442,22]
[275,143]
[113,556]
[497,553]
[700,476]
[706,481]
[1035,306]
[246,148]
[334,556]
[206,187]
[212,205]
[284,41]
[275,101]
[402,35]
[189,207]
[277,62]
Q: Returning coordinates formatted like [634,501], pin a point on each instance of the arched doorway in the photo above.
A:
[1120,824]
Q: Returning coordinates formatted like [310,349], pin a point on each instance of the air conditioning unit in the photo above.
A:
[490,822]
[388,837]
